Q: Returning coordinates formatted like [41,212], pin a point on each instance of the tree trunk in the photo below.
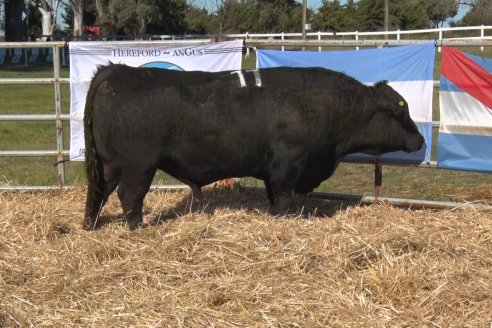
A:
[100,8]
[386,18]
[14,28]
[47,24]
[46,18]
[78,9]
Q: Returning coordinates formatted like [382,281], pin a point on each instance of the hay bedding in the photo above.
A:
[227,263]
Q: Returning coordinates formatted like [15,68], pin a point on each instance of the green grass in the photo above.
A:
[33,135]
[32,99]
[409,182]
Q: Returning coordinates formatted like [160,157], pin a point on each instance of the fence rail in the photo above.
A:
[440,31]
[251,40]
[471,42]
[34,117]
[356,38]
[32,153]
[33,80]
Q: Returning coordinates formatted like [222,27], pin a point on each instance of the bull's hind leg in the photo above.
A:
[196,190]
[93,205]
[131,191]
[97,195]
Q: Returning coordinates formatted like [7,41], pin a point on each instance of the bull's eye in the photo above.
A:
[401,103]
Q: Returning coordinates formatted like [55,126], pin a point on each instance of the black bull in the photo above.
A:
[286,126]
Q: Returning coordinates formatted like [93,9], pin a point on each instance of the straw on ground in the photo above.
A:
[226,262]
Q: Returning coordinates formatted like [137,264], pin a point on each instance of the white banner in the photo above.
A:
[86,56]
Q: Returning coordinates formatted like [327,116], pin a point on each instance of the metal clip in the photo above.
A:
[242,81]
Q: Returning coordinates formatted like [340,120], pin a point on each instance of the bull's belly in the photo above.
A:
[205,169]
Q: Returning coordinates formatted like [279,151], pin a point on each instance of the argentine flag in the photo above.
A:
[408,69]
[465,133]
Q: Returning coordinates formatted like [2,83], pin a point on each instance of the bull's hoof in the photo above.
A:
[281,207]
[288,205]
[134,225]
[89,225]
[275,211]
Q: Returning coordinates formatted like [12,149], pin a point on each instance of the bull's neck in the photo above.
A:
[357,137]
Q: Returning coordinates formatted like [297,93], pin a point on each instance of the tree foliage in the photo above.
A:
[479,14]
[197,20]
[409,15]
[333,16]
[368,15]
[233,16]
[137,17]
[140,17]
[15,29]
[278,15]
[256,16]
[440,10]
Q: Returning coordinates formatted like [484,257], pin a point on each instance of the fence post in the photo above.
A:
[282,37]
[357,39]
[440,39]
[64,59]
[58,112]
[247,48]
[482,34]
[378,179]
[319,39]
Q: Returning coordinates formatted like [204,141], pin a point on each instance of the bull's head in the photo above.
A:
[390,124]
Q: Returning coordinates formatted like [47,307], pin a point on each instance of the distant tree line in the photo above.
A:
[28,18]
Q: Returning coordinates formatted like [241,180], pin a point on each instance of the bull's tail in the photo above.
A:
[93,166]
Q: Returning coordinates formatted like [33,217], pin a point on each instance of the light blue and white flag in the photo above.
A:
[465,132]
[86,56]
[408,69]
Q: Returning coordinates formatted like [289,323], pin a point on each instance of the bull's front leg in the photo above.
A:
[280,201]
[284,203]
[281,185]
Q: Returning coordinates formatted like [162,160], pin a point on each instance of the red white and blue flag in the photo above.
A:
[465,133]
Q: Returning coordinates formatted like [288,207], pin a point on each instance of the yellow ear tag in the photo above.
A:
[401,103]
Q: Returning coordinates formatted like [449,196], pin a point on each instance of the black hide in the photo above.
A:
[199,127]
